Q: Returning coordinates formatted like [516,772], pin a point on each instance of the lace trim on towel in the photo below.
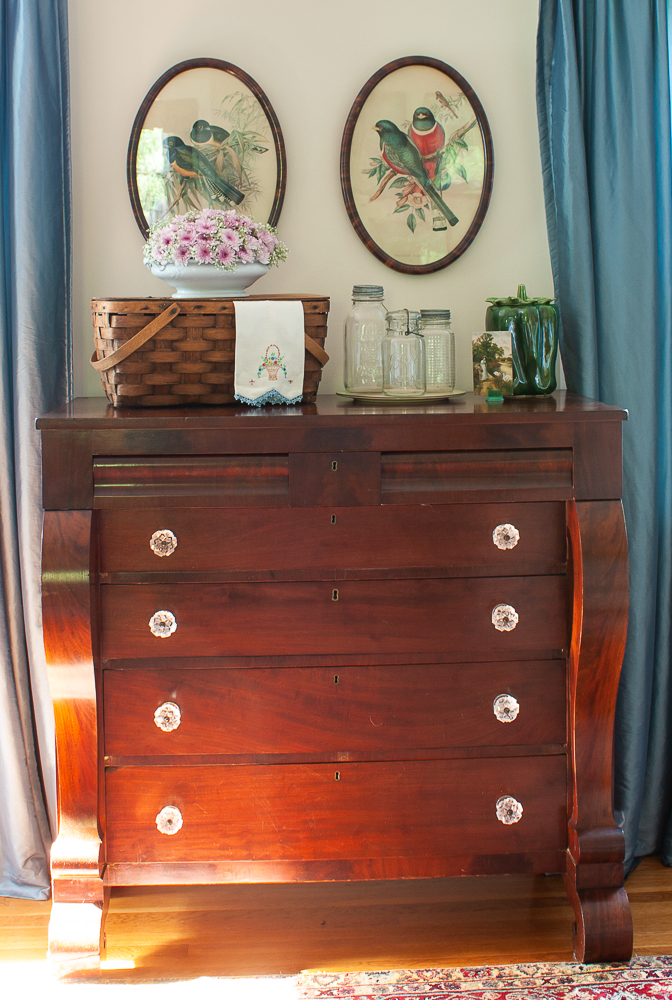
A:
[272,397]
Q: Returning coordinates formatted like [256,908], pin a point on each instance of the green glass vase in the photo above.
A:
[533,325]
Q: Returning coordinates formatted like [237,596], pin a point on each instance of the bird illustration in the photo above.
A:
[450,103]
[404,158]
[203,131]
[190,162]
[429,137]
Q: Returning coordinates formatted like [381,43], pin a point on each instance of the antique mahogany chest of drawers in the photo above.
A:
[334,642]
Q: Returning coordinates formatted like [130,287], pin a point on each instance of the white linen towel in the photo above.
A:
[270,352]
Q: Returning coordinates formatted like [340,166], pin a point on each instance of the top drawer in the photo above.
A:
[331,543]
[338,478]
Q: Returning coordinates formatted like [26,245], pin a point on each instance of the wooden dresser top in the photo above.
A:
[331,411]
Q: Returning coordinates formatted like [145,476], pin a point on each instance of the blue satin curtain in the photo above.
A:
[603,99]
[35,376]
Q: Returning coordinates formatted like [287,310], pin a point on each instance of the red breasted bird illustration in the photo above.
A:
[429,137]
[404,158]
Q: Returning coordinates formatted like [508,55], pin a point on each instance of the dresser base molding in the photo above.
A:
[354,870]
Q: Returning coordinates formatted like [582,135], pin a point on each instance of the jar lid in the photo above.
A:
[368,290]
[403,319]
[435,313]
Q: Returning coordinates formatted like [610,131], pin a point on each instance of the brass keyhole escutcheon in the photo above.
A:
[334,595]
[334,466]
[337,776]
[335,678]
[333,519]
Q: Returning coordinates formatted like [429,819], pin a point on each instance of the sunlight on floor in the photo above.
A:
[34,978]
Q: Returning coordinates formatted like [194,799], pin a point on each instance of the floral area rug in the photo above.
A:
[643,977]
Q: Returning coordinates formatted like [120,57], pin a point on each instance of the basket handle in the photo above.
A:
[316,350]
[137,340]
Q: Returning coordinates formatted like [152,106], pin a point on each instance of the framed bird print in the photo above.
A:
[205,136]
[417,165]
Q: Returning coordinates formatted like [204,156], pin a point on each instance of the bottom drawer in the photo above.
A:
[326,811]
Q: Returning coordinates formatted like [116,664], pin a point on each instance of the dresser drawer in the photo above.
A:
[315,709]
[378,616]
[361,810]
[251,544]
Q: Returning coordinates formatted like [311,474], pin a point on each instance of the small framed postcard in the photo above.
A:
[493,363]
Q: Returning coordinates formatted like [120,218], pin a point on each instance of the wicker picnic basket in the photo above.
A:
[162,352]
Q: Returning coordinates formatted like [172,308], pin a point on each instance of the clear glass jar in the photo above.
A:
[439,349]
[403,355]
[364,332]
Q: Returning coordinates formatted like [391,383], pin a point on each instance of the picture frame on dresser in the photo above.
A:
[485,646]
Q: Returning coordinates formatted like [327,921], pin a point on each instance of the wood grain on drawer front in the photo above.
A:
[315,540]
[212,480]
[382,809]
[445,476]
[381,616]
[298,710]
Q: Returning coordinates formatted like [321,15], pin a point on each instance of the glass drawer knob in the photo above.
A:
[163,624]
[509,810]
[504,617]
[169,820]
[163,542]
[506,536]
[168,716]
[504,706]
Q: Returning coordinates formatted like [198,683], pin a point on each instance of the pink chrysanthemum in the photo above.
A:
[225,254]
[203,252]
[206,227]
[245,256]
[182,253]
[230,238]
[264,255]
[188,234]
[268,239]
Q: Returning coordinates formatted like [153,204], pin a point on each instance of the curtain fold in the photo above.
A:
[35,376]
[603,100]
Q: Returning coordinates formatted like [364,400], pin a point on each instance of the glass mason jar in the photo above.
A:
[364,332]
[439,349]
[403,355]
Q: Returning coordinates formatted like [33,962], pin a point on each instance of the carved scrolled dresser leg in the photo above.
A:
[603,928]
[77,938]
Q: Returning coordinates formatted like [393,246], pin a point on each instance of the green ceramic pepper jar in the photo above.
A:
[533,325]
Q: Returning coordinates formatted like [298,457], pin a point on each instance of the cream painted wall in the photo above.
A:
[311,57]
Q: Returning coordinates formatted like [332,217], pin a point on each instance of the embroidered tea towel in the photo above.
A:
[270,352]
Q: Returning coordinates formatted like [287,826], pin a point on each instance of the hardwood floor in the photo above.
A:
[250,930]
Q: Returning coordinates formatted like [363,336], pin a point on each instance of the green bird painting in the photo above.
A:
[403,157]
[203,131]
[190,162]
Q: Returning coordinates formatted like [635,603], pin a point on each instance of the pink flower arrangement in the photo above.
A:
[213,236]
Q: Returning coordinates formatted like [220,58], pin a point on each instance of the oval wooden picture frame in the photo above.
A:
[222,134]
[417,165]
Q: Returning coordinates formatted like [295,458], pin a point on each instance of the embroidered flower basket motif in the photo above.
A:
[272,363]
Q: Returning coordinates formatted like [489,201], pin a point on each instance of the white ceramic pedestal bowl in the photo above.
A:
[205,281]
